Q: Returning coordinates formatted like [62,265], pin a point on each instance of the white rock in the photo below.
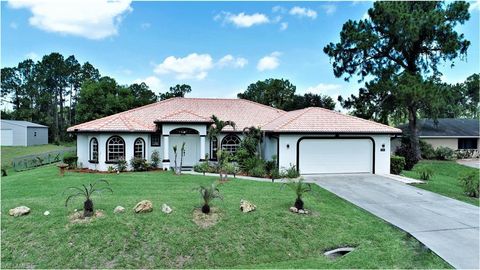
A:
[246,206]
[19,211]
[144,206]
[166,209]
[119,209]
[293,209]
[301,211]
[46,213]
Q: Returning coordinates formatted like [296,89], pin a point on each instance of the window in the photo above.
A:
[467,143]
[213,148]
[34,134]
[93,150]
[230,143]
[155,139]
[115,148]
[139,148]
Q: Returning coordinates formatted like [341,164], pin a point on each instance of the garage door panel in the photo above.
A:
[335,156]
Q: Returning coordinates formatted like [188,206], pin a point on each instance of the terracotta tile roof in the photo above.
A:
[314,119]
[244,113]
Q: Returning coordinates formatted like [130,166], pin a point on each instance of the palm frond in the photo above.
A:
[73,196]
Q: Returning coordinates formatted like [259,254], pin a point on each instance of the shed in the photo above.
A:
[22,133]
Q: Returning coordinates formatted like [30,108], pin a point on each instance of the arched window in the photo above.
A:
[93,150]
[230,143]
[139,148]
[115,148]
[213,148]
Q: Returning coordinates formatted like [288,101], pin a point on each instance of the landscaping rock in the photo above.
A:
[246,206]
[166,209]
[46,213]
[293,209]
[119,209]
[298,211]
[301,211]
[144,206]
[19,211]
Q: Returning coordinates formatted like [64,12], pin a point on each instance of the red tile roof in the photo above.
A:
[315,119]
[244,113]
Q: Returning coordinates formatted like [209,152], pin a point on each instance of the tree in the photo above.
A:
[176,91]
[142,95]
[74,80]
[402,42]
[276,93]
[310,100]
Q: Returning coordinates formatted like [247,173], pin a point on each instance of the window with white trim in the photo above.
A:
[139,148]
[230,143]
[94,150]
[115,148]
[213,148]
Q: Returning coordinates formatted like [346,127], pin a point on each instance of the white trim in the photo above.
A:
[448,137]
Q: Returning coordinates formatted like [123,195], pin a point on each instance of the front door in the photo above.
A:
[192,149]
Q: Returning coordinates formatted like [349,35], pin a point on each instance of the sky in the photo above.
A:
[218,48]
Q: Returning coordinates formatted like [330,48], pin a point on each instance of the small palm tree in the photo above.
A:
[208,194]
[255,134]
[87,191]
[217,126]
[300,188]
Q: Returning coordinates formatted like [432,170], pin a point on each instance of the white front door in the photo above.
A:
[192,149]
[335,156]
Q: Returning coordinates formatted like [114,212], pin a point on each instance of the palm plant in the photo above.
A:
[208,194]
[87,191]
[300,188]
[256,135]
[217,126]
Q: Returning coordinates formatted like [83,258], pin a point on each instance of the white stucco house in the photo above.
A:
[315,140]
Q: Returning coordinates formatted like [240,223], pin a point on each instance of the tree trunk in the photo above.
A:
[60,120]
[413,131]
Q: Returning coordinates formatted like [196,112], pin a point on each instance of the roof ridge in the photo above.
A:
[263,105]
[305,110]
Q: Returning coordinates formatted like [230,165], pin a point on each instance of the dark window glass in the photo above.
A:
[139,148]
[156,139]
[93,149]
[115,148]
[230,143]
[467,143]
[213,148]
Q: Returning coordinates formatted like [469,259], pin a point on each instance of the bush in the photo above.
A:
[466,153]
[231,168]
[258,171]
[155,158]
[121,165]
[444,153]
[201,167]
[139,164]
[425,173]
[71,160]
[427,150]
[291,172]
[470,183]
[397,164]
[409,154]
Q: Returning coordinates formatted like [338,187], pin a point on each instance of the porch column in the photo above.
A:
[166,148]
[202,147]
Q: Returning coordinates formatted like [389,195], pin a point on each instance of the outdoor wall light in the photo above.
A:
[288,145]
[383,148]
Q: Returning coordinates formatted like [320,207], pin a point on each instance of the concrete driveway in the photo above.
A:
[448,227]
[474,163]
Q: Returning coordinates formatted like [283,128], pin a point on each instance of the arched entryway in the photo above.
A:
[191,138]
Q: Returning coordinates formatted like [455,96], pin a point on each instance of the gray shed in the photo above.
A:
[22,133]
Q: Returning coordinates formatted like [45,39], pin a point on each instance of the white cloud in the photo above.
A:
[92,19]
[154,83]
[324,88]
[13,25]
[193,66]
[242,20]
[279,9]
[231,61]
[329,9]
[474,5]
[283,26]
[269,62]
[366,16]
[33,56]
[303,12]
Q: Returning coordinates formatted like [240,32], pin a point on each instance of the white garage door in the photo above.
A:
[7,137]
[335,156]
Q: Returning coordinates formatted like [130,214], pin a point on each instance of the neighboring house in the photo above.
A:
[454,133]
[315,140]
[22,133]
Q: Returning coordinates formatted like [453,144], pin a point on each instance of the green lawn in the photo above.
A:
[445,179]
[270,237]
[10,152]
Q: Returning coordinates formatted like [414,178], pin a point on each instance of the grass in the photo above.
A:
[11,152]
[444,180]
[270,237]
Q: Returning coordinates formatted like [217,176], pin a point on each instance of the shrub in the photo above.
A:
[121,164]
[155,158]
[427,150]
[201,167]
[71,160]
[300,188]
[87,191]
[425,173]
[470,183]
[208,194]
[231,168]
[258,171]
[139,164]
[110,169]
[397,164]
[444,153]
[291,172]
[409,154]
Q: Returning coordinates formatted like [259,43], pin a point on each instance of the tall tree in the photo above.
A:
[142,93]
[74,80]
[272,92]
[403,42]
[176,91]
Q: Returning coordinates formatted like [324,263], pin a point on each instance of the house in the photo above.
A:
[315,140]
[22,133]
[454,133]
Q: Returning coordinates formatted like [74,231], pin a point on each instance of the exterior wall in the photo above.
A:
[7,137]
[288,150]
[451,143]
[37,136]
[19,134]
[269,147]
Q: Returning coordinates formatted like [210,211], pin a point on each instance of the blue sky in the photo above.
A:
[218,48]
